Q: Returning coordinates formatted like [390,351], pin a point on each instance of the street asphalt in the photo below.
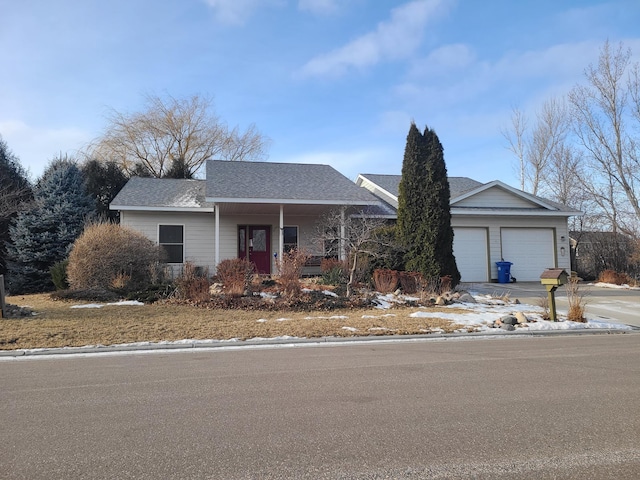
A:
[561,407]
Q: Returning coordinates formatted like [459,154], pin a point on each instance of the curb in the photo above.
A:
[293,342]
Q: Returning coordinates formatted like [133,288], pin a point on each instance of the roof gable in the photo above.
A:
[500,195]
[269,182]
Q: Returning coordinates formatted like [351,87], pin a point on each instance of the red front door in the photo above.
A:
[254,244]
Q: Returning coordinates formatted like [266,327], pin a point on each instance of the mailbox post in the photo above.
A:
[552,278]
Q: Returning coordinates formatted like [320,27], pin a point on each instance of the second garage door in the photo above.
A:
[530,250]
[471,252]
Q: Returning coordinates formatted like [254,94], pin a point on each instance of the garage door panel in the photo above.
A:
[529,249]
[472,254]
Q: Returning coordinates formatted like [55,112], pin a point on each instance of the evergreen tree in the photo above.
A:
[179,169]
[15,194]
[102,182]
[424,213]
[43,235]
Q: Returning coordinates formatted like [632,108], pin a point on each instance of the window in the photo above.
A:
[171,238]
[290,236]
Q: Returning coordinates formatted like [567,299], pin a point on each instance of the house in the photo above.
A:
[493,222]
[253,210]
[258,210]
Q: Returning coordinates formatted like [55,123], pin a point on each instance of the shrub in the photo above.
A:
[236,275]
[290,270]
[59,275]
[110,256]
[193,284]
[576,301]
[611,276]
[409,281]
[384,280]
[334,271]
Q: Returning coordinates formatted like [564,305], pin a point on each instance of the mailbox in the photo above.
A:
[552,278]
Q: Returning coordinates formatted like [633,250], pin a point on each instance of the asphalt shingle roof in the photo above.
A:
[391,183]
[161,192]
[269,181]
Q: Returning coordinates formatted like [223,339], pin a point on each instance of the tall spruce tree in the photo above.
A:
[103,181]
[424,213]
[15,195]
[43,235]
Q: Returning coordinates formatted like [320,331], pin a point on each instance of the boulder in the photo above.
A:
[466,298]
[508,327]
[521,317]
[440,301]
[509,320]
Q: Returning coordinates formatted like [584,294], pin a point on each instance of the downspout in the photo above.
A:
[343,246]
[281,243]
[217,235]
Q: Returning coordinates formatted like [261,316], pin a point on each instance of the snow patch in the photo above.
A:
[100,305]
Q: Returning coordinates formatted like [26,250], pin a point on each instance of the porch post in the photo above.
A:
[281,243]
[217,235]
[342,234]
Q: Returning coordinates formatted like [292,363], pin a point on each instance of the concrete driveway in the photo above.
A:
[606,304]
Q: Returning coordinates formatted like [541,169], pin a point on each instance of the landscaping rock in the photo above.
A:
[509,320]
[508,327]
[521,317]
[466,298]
[440,301]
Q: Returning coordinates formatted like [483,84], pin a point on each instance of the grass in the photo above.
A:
[58,325]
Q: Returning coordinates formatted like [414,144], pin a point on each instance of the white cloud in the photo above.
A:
[396,38]
[36,147]
[319,7]
[237,12]
[443,60]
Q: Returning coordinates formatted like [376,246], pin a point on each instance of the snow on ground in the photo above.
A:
[481,316]
[100,305]
[612,285]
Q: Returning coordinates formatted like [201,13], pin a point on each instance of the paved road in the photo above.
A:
[606,304]
[516,408]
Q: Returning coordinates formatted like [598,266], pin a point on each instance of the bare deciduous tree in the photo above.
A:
[606,114]
[535,148]
[174,130]
[352,237]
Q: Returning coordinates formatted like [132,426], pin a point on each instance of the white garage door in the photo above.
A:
[530,250]
[471,252]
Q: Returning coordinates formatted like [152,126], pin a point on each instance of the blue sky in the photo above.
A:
[329,81]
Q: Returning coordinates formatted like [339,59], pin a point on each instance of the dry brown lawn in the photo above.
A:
[58,325]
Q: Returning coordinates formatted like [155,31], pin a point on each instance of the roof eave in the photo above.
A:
[139,208]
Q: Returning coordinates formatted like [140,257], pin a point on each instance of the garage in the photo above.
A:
[530,250]
[472,254]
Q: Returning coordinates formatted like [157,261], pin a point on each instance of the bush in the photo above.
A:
[290,270]
[410,282]
[193,284]
[385,281]
[575,298]
[236,275]
[59,275]
[110,256]
[334,271]
[611,276]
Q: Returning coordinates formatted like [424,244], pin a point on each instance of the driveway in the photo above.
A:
[606,304]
